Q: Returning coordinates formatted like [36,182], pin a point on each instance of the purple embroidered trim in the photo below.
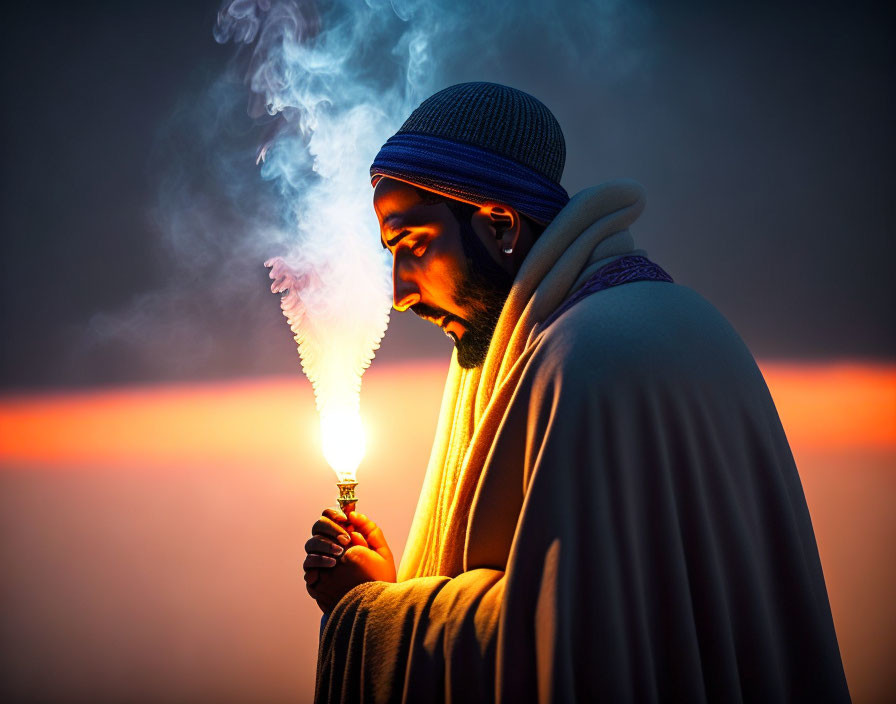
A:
[620,271]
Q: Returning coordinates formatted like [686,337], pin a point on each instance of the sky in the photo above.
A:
[763,135]
[151,529]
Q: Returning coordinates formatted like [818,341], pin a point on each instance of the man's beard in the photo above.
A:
[484,289]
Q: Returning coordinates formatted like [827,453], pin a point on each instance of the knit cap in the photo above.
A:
[478,143]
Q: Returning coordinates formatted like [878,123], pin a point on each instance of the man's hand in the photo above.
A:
[343,553]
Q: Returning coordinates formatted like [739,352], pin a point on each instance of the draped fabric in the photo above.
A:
[623,270]
[611,511]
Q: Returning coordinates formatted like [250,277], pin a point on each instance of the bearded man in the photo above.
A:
[611,511]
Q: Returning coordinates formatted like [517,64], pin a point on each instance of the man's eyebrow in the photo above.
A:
[400,236]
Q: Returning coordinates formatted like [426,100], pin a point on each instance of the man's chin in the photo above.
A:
[471,350]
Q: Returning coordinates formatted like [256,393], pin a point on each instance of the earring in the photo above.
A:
[508,250]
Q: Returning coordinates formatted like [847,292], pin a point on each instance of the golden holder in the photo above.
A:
[347,498]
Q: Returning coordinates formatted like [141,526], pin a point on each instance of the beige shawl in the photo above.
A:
[475,400]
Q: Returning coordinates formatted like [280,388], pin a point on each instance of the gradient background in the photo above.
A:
[158,462]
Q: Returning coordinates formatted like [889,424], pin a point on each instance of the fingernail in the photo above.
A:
[343,538]
[335,549]
[329,561]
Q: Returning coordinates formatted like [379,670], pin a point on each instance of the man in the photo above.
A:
[611,511]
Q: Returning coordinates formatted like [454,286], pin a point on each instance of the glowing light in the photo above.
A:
[342,441]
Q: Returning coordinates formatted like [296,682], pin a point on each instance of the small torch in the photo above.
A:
[347,498]
[342,439]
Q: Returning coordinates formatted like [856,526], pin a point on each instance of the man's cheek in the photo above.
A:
[443,271]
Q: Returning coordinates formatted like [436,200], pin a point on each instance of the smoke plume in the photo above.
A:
[267,156]
[309,67]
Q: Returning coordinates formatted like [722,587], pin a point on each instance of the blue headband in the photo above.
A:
[469,173]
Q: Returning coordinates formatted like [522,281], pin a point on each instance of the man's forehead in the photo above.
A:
[392,199]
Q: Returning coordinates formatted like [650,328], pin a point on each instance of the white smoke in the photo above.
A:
[334,79]
[328,82]
[311,67]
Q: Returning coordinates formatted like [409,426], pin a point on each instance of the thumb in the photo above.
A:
[370,531]
[358,539]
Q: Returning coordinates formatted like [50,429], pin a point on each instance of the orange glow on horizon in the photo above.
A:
[822,406]
[842,405]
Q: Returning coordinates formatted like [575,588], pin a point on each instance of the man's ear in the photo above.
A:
[499,224]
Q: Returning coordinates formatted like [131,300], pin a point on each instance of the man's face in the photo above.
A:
[440,269]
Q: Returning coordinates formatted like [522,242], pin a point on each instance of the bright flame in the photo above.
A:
[342,440]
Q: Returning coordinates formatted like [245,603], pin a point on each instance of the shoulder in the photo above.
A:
[640,330]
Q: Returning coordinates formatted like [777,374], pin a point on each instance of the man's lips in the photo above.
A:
[450,324]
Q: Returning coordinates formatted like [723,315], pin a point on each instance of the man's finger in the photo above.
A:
[358,539]
[369,530]
[313,562]
[323,546]
[338,517]
[311,576]
[334,514]
[329,528]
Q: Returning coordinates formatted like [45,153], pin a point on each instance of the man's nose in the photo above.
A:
[404,291]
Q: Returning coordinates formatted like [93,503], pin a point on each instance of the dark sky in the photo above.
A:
[764,136]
